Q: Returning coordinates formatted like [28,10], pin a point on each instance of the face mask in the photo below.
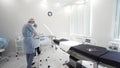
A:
[32,24]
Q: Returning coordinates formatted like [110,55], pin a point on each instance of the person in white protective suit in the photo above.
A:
[37,40]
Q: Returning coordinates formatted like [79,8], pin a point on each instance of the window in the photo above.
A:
[80,19]
[117,21]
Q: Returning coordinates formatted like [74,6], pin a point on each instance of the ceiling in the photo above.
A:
[62,3]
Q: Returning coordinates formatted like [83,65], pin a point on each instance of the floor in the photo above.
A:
[50,56]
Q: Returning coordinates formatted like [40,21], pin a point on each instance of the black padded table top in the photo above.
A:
[111,58]
[57,41]
[93,52]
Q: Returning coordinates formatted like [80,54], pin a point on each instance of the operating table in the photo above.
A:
[98,55]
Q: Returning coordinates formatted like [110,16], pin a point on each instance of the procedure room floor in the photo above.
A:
[55,58]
